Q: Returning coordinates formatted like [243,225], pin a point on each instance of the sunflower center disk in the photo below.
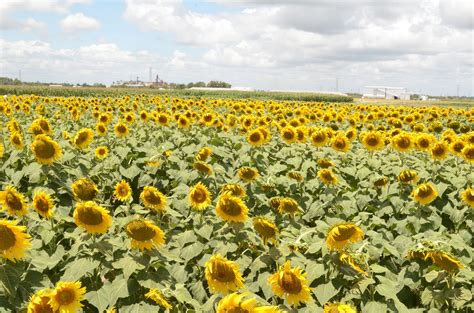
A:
[82,138]
[222,272]
[65,297]
[7,238]
[140,232]
[152,198]
[90,216]
[42,205]
[424,192]
[199,196]
[237,310]
[372,141]
[86,192]
[290,283]
[13,202]
[44,149]
[344,233]
[231,208]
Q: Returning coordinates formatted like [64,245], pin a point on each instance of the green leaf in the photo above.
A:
[128,266]
[325,292]
[191,251]
[374,307]
[77,269]
[109,293]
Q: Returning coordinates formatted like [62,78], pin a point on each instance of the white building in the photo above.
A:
[386,92]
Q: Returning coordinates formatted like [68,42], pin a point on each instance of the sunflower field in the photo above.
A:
[153,203]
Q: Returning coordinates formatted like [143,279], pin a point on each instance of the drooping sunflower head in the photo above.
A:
[290,284]
[14,201]
[354,261]
[338,308]
[468,196]
[222,275]
[425,193]
[203,154]
[101,152]
[84,189]
[122,191]
[14,240]
[67,297]
[341,235]
[265,228]
[43,204]
[248,174]
[234,189]
[144,234]
[203,167]
[408,177]
[156,296]
[39,302]
[327,177]
[231,209]
[235,303]
[380,182]
[83,138]
[153,199]
[92,217]
[289,206]
[325,163]
[296,176]
[199,197]
[45,149]
[444,260]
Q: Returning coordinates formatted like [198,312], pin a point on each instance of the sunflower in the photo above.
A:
[353,261]
[231,209]
[203,154]
[266,229]
[341,143]
[45,149]
[83,138]
[199,197]
[122,191]
[2,150]
[121,130]
[327,177]
[403,142]
[183,122]
[234,189]
[203,167]
[440,150]
[144,234]
[290,283]
[408,177]
[92,217]
[101,152]
[324,163]
[372,140]
[67,297]
[424,141]
[340,235]
[158,298]
[288,134]
[289,206]
[43,204]
[84,189]
[39,302]
[248,174]
[468,153]
[468,196]
[235,303]
[296,176]
[255,138]
[425,193]
[153,199]
[14,201]
[338,308]
[222,275]
[443,260]
[17,140]
[319,138]
[13,240]
[101,129]
[457,146]
[380,182]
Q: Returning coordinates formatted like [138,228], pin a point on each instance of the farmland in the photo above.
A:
[144,202]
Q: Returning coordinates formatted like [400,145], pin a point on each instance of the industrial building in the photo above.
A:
[386,92]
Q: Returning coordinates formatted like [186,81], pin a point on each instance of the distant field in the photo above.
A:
[98,92]
[460,102]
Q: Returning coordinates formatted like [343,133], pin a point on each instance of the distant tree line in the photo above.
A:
[211,84]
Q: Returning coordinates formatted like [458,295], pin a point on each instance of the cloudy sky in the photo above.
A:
[424,45]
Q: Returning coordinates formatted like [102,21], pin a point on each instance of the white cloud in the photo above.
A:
[458,13]
[79,22]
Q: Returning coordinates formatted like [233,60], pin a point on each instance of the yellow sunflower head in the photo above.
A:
[338,308]
[255,138]
[327,176]
[248,174]
[199,197]
[353,261]
[203,154]
[425,193]
[440,150]
[144,234]
[101,129]
[288,134]
[373,140]
[231,209]
[14,201]
[381,182]
[235,190]
[67,297]
[16,140]
[468,153]
[468,196]
[156,296]
[290,284]
[288,206]
[424,141]
[296,176]
[325,163]
[235,303]
[84,189]
[101,152]
[444,260]
[341,143]
[153,199]
[203,167]
[341,235]
[14,240]
[122,191]
[121,130]
[45,149]
[92,217]
[43,204]
[408,177]
[319,138]
[266,229]
[39,302]
[83,138]
[222,275]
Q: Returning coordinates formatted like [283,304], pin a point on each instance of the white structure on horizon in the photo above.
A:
[386,92]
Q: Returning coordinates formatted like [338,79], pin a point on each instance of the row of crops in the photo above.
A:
[147,203]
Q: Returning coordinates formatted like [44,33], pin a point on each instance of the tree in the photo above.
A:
[218,84]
